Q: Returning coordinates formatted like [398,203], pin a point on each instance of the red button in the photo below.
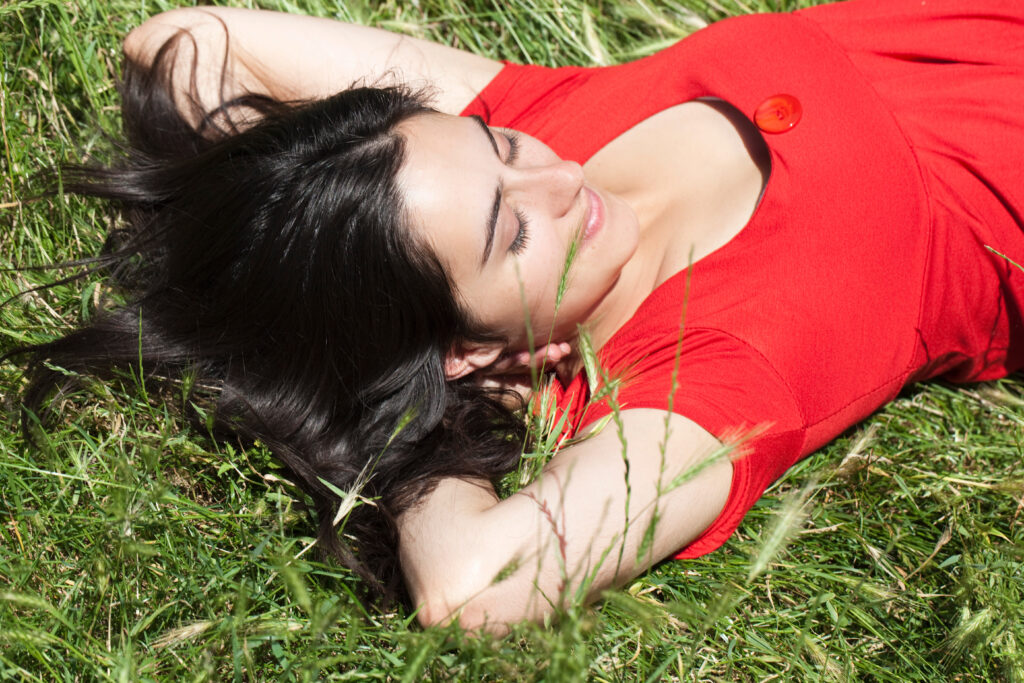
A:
[778,114]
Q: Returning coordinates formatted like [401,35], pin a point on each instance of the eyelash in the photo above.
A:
[522,236]
[513,146]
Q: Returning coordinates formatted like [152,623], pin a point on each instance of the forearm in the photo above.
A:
[463,559]
[295,57]
[576,531]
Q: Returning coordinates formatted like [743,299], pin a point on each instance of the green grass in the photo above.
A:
[133,547]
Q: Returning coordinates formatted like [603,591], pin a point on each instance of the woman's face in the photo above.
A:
[502,212]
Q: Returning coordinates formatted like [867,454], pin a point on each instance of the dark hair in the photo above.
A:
[275,265]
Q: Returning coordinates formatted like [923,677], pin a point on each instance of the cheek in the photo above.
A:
[494,305]
[538,279]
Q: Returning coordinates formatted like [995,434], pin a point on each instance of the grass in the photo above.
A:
[134,548]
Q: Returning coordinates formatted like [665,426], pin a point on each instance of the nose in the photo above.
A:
[558,183]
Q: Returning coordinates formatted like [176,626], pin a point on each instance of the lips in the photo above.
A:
[595,215]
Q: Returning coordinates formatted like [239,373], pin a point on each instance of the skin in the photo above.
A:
[558,530]
[453,167]
[673,189]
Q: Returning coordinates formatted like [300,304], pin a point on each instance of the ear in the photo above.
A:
[469,357]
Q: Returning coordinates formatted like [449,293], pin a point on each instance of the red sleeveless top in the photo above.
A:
[867,264]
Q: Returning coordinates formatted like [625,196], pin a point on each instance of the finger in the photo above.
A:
[550,354]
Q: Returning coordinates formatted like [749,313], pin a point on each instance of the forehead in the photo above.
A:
[447,181]
[435,141]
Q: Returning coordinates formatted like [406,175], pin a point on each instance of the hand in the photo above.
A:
[512,370]
[548,356]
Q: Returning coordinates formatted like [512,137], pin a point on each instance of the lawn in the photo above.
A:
[134,547]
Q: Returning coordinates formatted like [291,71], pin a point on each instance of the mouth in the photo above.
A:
[594,218]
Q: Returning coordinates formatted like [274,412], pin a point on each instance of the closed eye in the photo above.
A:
[513,146]
[522,235]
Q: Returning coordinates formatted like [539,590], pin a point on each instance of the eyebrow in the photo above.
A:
[492,220]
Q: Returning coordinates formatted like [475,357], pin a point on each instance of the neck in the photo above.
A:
[636,281]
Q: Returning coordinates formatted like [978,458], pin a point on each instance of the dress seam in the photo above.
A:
[807,424]
[765,360]
[927,217]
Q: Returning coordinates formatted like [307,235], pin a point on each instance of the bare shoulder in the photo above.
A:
[292,56]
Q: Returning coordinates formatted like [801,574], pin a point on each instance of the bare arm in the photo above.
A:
[564,530]
[292,57]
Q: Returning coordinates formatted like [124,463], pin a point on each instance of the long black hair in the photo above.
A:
[273,265]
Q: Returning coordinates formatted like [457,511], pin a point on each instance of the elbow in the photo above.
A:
[449,595]
[473,616]
[144,41]
[434,613]
[470,596]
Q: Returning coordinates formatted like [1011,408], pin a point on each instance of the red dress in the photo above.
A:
[865,266]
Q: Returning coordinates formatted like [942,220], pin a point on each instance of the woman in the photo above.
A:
[768,238]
